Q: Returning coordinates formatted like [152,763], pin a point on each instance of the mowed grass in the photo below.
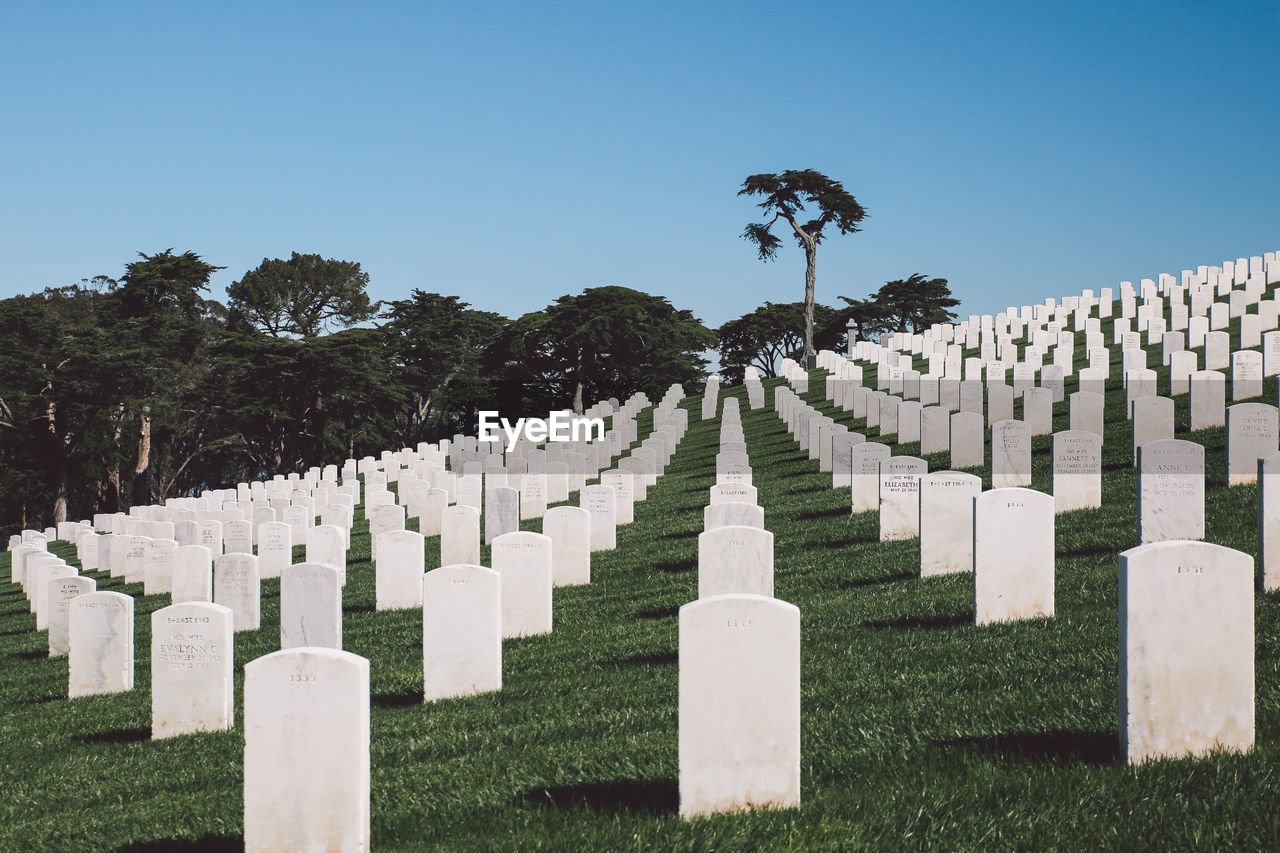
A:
[919,729]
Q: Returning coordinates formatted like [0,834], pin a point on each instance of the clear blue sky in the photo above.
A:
[513,153]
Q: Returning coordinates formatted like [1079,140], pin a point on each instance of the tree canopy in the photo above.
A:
[439,345]
[910,304]
[116,393]
[606,341]
[770,333]
[304,296]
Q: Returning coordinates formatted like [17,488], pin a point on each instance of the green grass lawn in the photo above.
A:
[918,728]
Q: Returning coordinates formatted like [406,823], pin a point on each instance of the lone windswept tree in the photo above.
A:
[785,196]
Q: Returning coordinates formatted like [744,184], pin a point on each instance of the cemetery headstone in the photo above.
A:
[191,669]
[461,632]
[739,704]
[1186,650]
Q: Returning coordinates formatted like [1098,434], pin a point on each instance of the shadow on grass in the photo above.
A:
[857,583]
[674,566]
[1097,549]
[203,844]
[635,795]
[403,699]
[814,515]
[359,608]
[652,659]
[659,612]
[36,655]
[929,623]
[116,736]
[807,490]
[1060,745]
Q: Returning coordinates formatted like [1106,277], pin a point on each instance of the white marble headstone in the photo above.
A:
[310,606]
[306,751]
[946,522]
[460,536]
[237,586]
[398,574]
[192,684]
[1013,555]
[739,704]
[461,632]
[100,627]
[1186,650]
[735,559]
[523,559]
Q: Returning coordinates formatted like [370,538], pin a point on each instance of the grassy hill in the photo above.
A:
[918,728]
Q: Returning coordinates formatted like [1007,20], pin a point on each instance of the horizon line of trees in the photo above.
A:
[122,392]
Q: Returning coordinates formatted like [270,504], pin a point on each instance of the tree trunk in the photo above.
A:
[810,276]
[60,502]
[141,487]
[577,391]
[57,446]
[317,449]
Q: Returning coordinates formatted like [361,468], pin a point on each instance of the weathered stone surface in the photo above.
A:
[523,559]
[401,564]
[1268,524]
[1086,411]
[1037,410]
[732,514]
[100,626]
[1010,454]
[968,440]
[160,559]
[1151,419]
[193,575]
[501,512]
[601,502]
[1253,430]
[237,585]
[739,704]
[735,559]
[1208,399]
[935,430]
[275,543]
[900,497]
[327,543]
[61,591]
[1170,491]
[737,493]
[1013,557]
[310,606]
[461,631]
[946,522]
[569,528]
[191,669]
[1077,470]
[460,536]
[306,751]
[1246,375]
[1186,650]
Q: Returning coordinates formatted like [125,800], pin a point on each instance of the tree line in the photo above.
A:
[119,392]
